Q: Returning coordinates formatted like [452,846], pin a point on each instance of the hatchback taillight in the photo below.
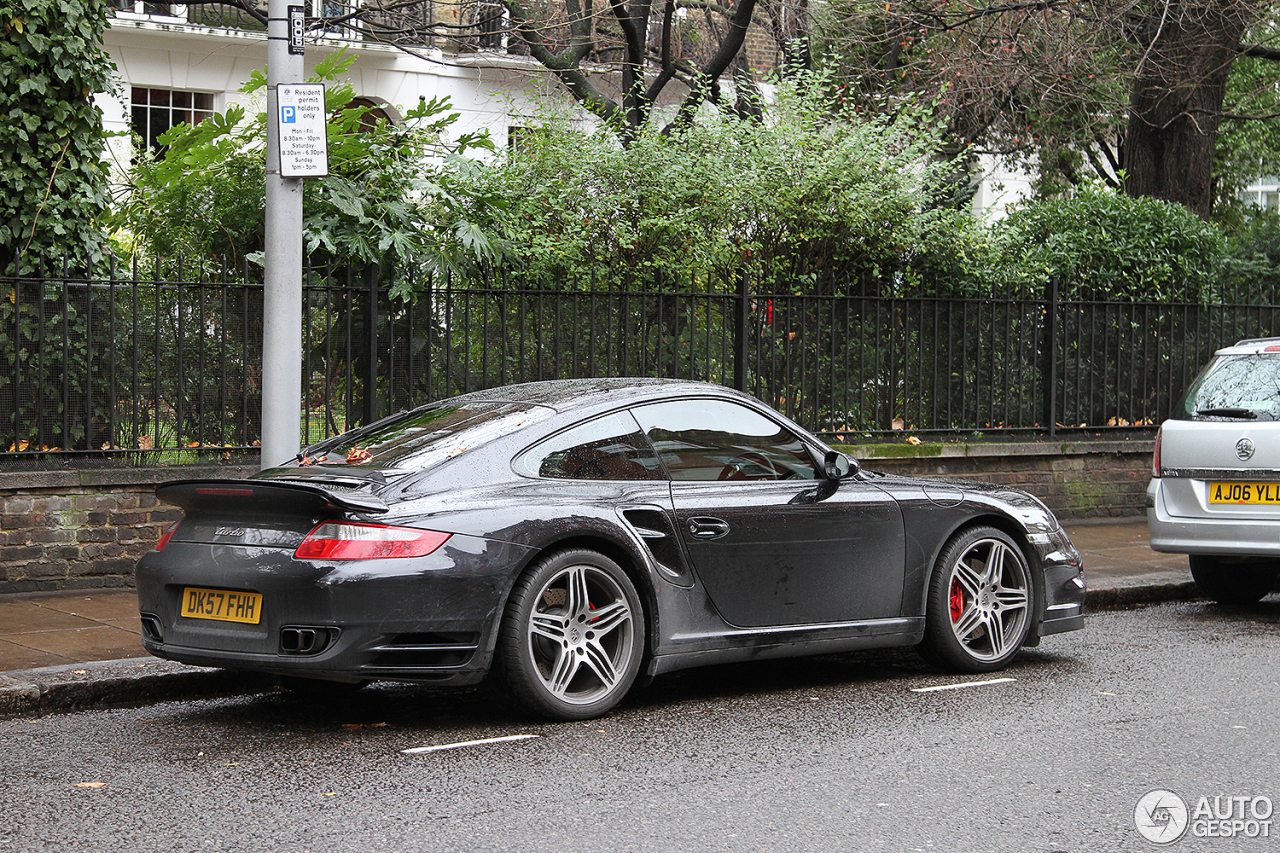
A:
[1156,470]
[348,540]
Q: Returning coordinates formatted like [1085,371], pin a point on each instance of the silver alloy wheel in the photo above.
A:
[580,634]
[989,597]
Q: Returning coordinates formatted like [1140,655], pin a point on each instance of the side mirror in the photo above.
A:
[837,466]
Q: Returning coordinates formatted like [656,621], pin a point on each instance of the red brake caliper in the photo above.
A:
[957,600]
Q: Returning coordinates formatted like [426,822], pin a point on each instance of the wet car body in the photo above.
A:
[722,571]
[1215,488]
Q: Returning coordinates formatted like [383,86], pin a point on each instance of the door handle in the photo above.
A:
[706,527]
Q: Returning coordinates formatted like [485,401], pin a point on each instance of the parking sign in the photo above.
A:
[304,144]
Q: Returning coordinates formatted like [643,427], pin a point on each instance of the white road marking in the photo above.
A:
[418,750]
[937,687]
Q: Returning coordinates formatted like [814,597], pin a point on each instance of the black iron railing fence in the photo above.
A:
[450,25]
[162,362]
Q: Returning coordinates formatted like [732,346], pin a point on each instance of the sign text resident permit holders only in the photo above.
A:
[304,143]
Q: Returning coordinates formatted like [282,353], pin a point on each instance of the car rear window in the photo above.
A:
[606,448]
[426,437]
[1234,386]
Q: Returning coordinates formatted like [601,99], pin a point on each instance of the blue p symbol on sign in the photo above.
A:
[288,115]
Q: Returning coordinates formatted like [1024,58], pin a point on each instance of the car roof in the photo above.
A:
[1252,346]
[566,394]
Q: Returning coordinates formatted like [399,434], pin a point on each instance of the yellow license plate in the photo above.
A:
[222,605]
[1244,493]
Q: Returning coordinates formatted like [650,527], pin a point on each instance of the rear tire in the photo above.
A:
[1232,583]
[572,637]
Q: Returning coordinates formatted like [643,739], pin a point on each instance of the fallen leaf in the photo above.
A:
[90,785]
[911,439]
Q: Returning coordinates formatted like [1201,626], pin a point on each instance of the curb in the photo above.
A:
[139,680]
[117,682]
[1119,598]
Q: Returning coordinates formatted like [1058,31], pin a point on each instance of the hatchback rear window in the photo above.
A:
[426,437]
[1234,386]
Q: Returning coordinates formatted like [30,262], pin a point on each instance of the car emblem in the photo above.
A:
[1244,449]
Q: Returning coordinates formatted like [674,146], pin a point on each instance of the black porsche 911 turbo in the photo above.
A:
[566,538]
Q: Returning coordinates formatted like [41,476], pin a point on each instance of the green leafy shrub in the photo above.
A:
[814,191]
[392,197]
[51,139]
[1251,269]
[1103,245]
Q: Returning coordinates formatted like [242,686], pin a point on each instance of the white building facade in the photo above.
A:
[181,63]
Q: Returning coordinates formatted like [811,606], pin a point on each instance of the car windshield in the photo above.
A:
[1235,386]
[426,437]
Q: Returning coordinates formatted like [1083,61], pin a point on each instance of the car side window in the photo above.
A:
[606,448]
[722,440]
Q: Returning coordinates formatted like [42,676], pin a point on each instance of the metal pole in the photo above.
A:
[741,320]
[282,298]
[1050,374]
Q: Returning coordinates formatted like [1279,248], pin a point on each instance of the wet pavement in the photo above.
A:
[51,642]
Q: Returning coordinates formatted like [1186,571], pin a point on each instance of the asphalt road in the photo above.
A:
[830,754]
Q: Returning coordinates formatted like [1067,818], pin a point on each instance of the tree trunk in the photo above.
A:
[1177,98]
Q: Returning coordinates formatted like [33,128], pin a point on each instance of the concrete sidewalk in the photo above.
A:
[68,649]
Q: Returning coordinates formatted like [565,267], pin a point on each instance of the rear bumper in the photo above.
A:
[1236,537]
[431,619]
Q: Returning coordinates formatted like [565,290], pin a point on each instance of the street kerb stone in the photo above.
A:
[119,682]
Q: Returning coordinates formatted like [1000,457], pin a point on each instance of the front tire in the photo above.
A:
[572,637]
[1232,583]
[979,607]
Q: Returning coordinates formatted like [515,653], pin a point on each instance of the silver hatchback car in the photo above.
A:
[1215,485]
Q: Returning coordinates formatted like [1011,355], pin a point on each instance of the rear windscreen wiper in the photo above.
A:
[1228,413]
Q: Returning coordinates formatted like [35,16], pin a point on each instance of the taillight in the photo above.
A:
[347,540]
[1155,457]
[166,536]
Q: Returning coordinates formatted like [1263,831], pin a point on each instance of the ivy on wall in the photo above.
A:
[53,180]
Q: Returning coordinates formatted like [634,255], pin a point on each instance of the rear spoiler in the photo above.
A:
[265,494]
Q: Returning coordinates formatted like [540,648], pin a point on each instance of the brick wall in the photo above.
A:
[84,529]
[1085,479]
[87,529]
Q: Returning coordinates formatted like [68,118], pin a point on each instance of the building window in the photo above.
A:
[519,138]
[157,110]
[491,25]
[379,110]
